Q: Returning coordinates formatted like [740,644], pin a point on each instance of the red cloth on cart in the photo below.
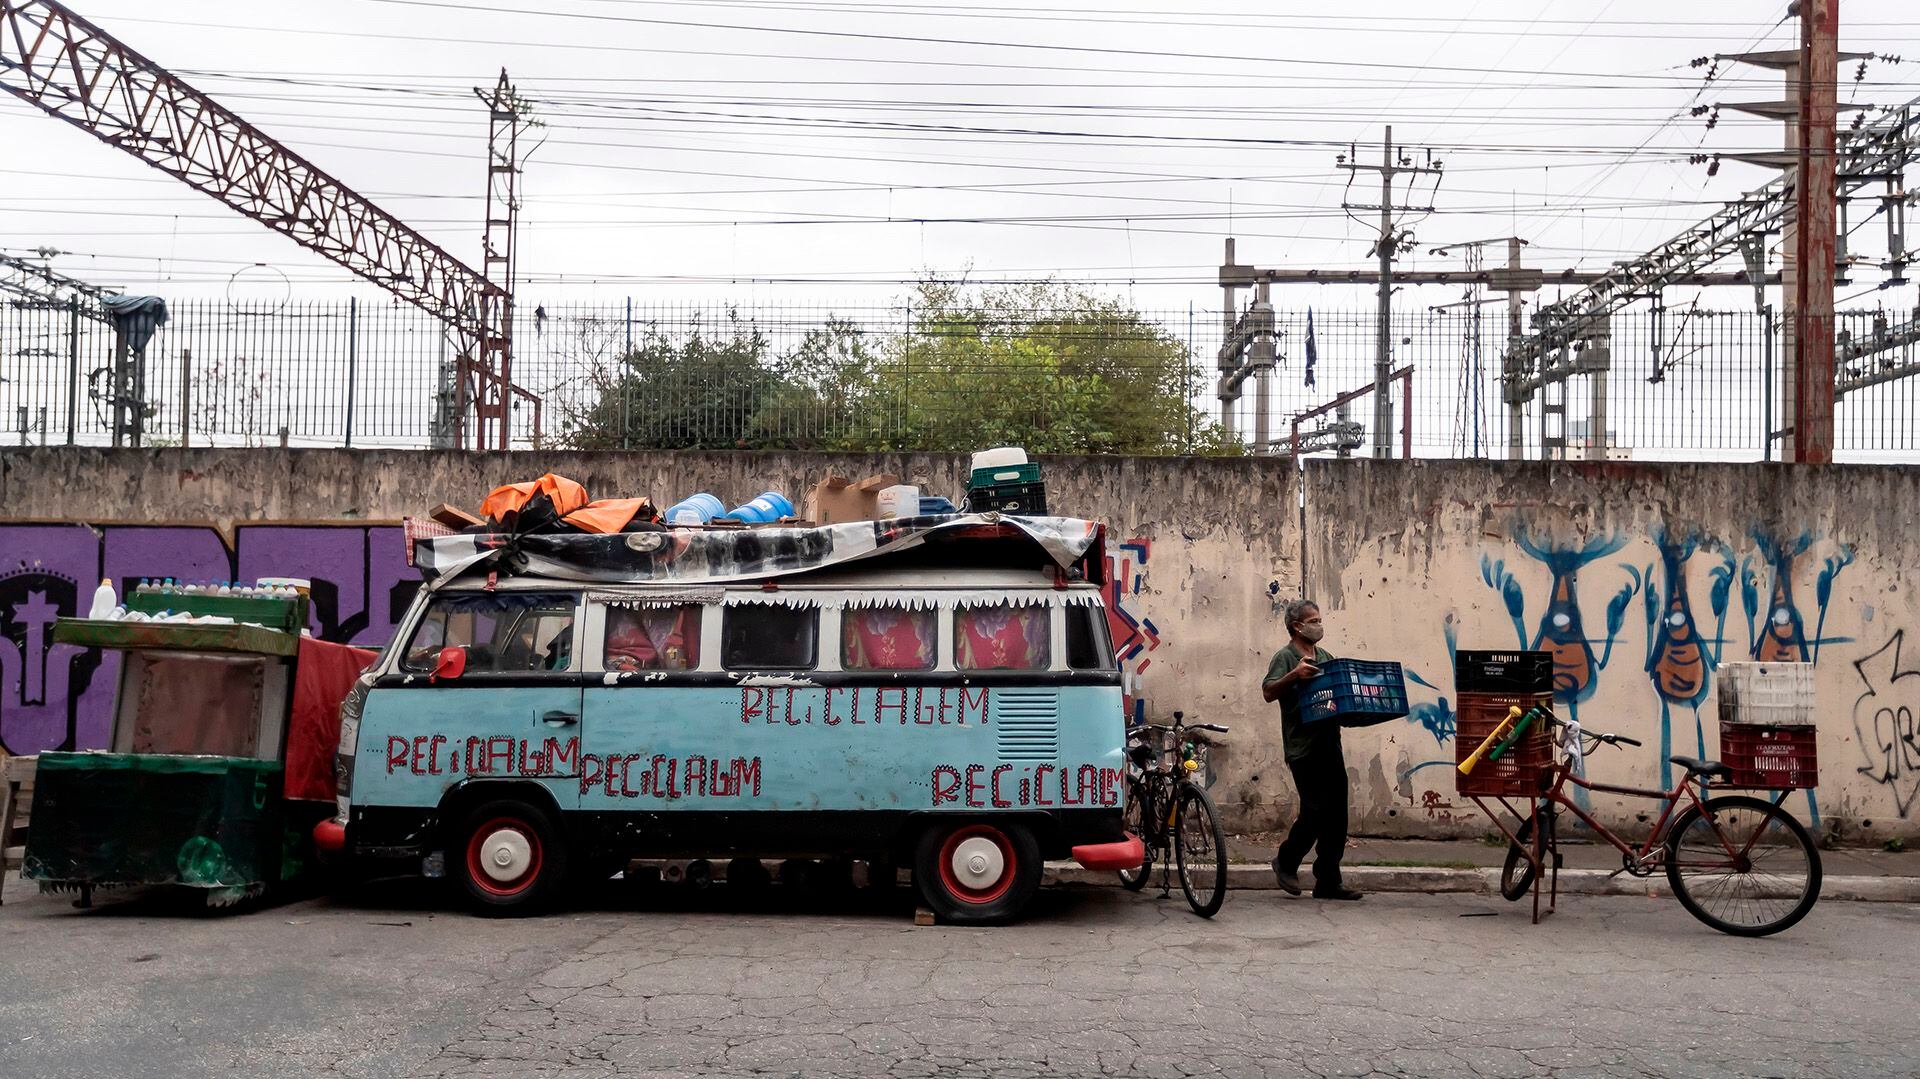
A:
[323,673]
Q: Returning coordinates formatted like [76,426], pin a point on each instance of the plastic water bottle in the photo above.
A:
[104,601]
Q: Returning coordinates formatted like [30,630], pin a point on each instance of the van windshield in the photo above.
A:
[502,632]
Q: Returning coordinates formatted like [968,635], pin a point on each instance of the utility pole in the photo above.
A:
[1388,243]
[1516,410]
[493,380]
[1814,233]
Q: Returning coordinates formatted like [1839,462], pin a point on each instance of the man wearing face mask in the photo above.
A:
[1313,756]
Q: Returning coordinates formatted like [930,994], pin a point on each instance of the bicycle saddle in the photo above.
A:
[1696,766]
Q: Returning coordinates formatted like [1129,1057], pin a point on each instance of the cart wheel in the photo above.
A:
[1516,875]
[512,858]
[977,873]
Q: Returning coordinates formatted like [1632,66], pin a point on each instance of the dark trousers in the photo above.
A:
[1321,779]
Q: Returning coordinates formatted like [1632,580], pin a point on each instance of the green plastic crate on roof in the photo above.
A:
[1003,475]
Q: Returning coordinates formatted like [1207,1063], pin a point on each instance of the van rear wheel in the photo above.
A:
[976,873]
[512,858]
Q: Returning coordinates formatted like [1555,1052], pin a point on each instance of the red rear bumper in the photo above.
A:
[1126,854]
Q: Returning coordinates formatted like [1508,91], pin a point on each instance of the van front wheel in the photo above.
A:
[511,857]
[976,873]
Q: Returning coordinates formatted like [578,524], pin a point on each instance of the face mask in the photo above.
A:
[1312,634]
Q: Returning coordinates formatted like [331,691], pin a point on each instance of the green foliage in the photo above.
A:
[699,393]
[1050,367]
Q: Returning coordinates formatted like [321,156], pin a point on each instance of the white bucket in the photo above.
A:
[900,500]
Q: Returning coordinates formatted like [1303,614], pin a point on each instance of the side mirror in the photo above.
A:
[452,663]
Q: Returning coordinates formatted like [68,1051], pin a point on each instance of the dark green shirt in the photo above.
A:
[1299,738]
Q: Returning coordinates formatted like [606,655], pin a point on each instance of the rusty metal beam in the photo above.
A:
[72,69]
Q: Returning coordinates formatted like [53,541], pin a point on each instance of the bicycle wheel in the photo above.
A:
[1744,867]
[1200,851]
[1134,819]
[1517,875]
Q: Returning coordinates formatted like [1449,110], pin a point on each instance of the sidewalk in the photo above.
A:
[1426,865]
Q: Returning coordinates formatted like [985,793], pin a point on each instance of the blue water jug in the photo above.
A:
[695,510]
[770,506]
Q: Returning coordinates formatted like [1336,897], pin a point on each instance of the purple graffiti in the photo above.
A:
[56,696]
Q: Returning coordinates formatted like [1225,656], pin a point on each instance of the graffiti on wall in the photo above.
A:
[1681,660]
[1562,628]
[1132,632]
[1883,721]
[57,696]
[1777,632]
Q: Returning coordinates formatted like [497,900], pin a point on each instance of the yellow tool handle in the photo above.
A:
[1466,766]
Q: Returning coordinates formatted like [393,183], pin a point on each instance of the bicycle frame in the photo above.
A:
[1653,851]
[1160,783]
[1648,856]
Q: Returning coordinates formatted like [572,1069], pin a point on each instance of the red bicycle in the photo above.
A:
[1739,863]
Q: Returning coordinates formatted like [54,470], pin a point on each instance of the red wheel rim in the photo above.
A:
[477,870]
[950,879]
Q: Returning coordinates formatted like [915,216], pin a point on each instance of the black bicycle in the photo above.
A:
[1174,816]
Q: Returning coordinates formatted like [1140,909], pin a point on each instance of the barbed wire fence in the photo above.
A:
[1693,385]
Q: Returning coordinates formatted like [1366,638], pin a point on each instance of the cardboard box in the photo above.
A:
[837,500]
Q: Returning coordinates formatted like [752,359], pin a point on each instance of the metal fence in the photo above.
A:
[1681,384]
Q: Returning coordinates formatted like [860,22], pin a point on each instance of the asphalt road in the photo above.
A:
[390,982]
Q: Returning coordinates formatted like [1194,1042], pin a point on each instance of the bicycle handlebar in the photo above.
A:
[1601,736]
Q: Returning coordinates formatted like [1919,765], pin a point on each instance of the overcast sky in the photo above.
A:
[701,149]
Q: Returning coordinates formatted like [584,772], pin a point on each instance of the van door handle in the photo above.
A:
[560,719]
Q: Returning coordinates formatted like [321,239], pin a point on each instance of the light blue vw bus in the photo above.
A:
[934,692]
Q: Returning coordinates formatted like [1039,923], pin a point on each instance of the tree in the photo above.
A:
[700,392]
[1050,367]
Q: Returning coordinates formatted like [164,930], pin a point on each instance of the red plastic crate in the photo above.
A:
[1520,771]
[1769,757]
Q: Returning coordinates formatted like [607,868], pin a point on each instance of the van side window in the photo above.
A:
[1002,637]
[891,638]
[1088,646]
[502,632]
[762,636]
[652,638]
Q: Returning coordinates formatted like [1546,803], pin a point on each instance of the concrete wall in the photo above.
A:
[1197,550]
[1409,559]
[1655,574]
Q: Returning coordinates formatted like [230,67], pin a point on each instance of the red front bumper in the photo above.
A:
[1126,854]
[330,836]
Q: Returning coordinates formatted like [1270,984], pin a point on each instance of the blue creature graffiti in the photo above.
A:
[1436,716]
[1576,670]
[1561,631]
[1779,635]
[1680,660]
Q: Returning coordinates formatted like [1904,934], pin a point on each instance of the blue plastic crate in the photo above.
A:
[1355,693]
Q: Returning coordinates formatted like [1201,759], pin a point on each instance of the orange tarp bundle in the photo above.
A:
[609,515]
[566,495]
[605,517]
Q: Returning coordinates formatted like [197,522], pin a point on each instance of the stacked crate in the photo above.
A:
[1487,686]
[1355,692]
[1766,725]
[1007,488]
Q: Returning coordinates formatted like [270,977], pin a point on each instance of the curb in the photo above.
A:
[1486,881]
